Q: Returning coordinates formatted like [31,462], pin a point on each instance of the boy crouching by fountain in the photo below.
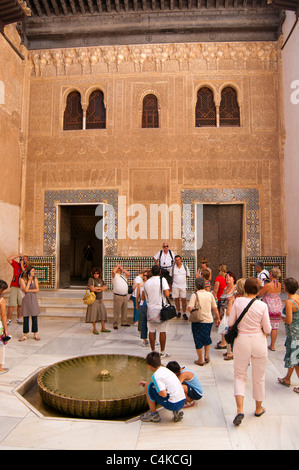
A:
[165,389]
[190,382]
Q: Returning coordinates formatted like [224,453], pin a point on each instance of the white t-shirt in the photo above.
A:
[179,280]
[263,276]
[165,261]
[165,379]
[152,291]
[120,284]
[141,290]
[138,280]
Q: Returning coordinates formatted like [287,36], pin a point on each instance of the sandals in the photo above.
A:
[206,361]
[229,357]
[283,382]
[260,414]
[238,419]
[24,338]
[199,363]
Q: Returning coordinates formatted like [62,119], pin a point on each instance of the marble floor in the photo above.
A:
[206,426]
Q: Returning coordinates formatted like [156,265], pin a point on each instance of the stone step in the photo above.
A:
[68,303]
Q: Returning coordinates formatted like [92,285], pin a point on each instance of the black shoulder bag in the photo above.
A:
[232,333]
[168,311]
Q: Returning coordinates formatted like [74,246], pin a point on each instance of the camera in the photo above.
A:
[5,338]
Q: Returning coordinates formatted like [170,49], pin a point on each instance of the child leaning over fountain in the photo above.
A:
[165,389]
[190,382]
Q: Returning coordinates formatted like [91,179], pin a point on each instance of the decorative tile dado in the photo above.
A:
[269,263]
[45,270]
[84,196]
[135,264]
[247,196]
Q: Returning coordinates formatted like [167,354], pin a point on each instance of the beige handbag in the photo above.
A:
[196,315]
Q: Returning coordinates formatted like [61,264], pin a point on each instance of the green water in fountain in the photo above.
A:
[79,377]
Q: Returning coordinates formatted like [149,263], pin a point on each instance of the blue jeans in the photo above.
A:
[136,312]
[143,318]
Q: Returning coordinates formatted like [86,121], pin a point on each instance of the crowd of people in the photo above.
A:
[221,305]
[172,386]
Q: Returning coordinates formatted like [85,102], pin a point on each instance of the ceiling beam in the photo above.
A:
[82,7]
[64,7]
[55,6]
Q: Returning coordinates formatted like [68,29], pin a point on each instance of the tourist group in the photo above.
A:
[252,307]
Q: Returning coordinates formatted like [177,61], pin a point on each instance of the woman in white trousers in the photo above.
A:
[250,347]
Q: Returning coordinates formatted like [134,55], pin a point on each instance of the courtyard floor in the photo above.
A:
[206,426]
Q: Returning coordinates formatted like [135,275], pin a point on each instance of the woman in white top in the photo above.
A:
[250,347]
[142,308]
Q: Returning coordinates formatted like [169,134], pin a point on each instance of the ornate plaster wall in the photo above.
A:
[12,75]
[291,100]
[154,165]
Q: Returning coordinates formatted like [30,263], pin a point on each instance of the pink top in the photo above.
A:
[255,320]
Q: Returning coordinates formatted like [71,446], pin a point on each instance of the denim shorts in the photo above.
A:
[163,401]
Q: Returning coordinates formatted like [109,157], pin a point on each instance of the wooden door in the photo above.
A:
[222,237]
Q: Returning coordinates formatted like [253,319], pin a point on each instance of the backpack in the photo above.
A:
[170,252]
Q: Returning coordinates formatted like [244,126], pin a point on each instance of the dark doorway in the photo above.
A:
[77,231]
[222,237]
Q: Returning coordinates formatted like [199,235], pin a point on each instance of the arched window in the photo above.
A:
[150,115]
[96,111]
[73,114]
[229,113]
[205,110]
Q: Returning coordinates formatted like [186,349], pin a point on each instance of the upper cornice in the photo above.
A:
[77,23]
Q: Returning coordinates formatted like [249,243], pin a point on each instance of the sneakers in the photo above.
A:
[178,416]
[19,321]
[164,354]
[185,316]
[149,416]
[155,417]
[188,404]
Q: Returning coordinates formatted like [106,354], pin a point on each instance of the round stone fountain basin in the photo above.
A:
[81,386]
